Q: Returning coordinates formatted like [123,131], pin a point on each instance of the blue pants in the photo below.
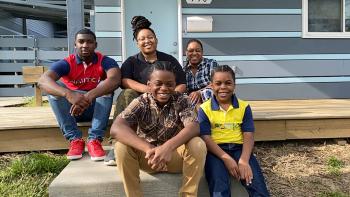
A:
[219,179]
[98,113]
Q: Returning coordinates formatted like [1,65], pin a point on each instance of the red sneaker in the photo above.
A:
[95,150]
[76,149]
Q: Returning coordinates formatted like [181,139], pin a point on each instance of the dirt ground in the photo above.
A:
[305,168]
[298,168]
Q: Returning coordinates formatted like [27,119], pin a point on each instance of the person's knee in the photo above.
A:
[130,92]
[196,147]
[121,151]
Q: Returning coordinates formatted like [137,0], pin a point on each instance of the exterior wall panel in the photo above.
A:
[251,4]
[107,22]
[242,23]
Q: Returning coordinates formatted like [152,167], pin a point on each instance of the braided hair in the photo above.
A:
[223,68]
[139,23]
[163,66]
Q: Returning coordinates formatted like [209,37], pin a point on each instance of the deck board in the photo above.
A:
[35,128]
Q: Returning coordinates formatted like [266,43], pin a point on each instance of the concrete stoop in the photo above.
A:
[86,178]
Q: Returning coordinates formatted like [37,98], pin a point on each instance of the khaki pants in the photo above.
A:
[188,159]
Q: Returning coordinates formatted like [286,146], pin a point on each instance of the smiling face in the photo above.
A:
[85,45]
[223,87]
[146,41]
[194,53]
[162,85]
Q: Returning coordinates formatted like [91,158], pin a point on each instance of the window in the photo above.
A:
[326,18]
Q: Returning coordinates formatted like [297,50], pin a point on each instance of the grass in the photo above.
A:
[334,194]
[30,102]
[30,175]
[334,166]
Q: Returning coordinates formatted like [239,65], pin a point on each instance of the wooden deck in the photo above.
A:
[35,128]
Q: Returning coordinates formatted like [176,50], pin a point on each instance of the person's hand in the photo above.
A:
[76,98]
[231,166]
[158,157]
[76,110]
[195,97]
[245,171]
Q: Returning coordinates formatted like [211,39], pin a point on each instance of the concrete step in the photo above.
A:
[86,178]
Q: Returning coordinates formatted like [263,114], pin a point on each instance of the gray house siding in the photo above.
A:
[262,40]
[108,28]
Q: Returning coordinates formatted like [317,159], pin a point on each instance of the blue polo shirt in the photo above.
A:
[225,126]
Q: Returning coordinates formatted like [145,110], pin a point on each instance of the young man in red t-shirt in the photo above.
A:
[80,88]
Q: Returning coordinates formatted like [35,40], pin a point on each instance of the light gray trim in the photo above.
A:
[107,22]
[272,46]
[17,55]
[115,3]
[11,79]
[110,46]
[52,42]
[75,21]
[243,35]
[16,42]
[109,34]
[16,91]
[221,11]
[100,9]
[259,23]
[281,57]
[13,67]
[293,91]
[251,4]
[291,68]
[294,80]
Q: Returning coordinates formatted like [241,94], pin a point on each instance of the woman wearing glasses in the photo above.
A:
[135,69]
[198,70]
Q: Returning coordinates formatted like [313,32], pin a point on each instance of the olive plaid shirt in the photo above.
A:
[159,124]
[202,78]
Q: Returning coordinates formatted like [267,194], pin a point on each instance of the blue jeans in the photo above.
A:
[98,113]
[219,179]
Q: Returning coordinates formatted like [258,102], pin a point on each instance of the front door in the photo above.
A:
[163,16]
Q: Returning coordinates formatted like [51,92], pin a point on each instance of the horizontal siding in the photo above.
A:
[13,67]
[17,55]
[252,4]
[272,46]
[293,91]
[282,80]
[52,55]
[52,42]
[107,3]
[254,34]
[246,23]
[17,91]
[107,22]
[11,79]
[300,68]
[110,46]
[16,42]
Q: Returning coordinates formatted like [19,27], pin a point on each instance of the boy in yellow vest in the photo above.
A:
[227,127]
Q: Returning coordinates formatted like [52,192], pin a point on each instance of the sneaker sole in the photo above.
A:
[110,163]
[98,158]
[74,157]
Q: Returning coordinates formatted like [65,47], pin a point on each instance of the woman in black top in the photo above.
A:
[135,69]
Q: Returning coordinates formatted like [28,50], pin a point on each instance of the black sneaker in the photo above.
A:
[110,159]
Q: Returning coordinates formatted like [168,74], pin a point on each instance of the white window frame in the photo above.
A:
[307,34]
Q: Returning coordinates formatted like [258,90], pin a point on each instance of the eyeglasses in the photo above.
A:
[143,39]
